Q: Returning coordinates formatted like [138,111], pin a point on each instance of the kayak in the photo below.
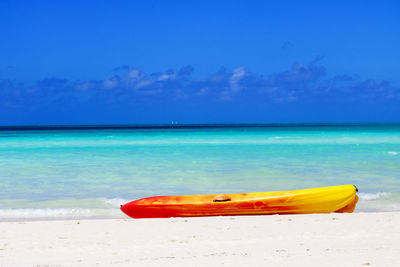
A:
[341,198]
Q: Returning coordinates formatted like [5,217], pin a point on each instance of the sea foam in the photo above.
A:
[115,202]
[58,213]
[66,209]
[41,213]
[373,196]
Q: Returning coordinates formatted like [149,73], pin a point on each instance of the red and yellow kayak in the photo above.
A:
[340,198]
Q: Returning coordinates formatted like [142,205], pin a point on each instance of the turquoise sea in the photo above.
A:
[87,172]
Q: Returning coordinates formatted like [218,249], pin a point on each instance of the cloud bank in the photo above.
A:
[130,88]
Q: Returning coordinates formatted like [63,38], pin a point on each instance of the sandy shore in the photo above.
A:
[359,239]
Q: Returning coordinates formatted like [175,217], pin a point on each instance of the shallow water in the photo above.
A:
[76,173]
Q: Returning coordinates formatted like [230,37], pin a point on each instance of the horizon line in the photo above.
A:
[184,125]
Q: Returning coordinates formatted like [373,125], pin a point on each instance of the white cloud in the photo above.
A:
[234,80]
[166,76]
[110,82]
[143,83]
[134,74]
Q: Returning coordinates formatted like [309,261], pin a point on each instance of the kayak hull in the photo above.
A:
[341,198]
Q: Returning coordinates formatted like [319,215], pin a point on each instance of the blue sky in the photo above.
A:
[72,62]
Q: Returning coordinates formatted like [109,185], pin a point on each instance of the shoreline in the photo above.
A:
[123,216]
[356,239]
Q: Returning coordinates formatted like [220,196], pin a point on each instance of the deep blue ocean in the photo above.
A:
[84,172]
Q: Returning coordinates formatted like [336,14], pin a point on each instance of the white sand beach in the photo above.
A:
[358,239]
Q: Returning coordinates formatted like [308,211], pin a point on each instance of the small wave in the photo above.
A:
[277,137]
[47,213]
[115,202]
[393,153]
[373,196]
[64,209]
[58,213]
[110,141]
